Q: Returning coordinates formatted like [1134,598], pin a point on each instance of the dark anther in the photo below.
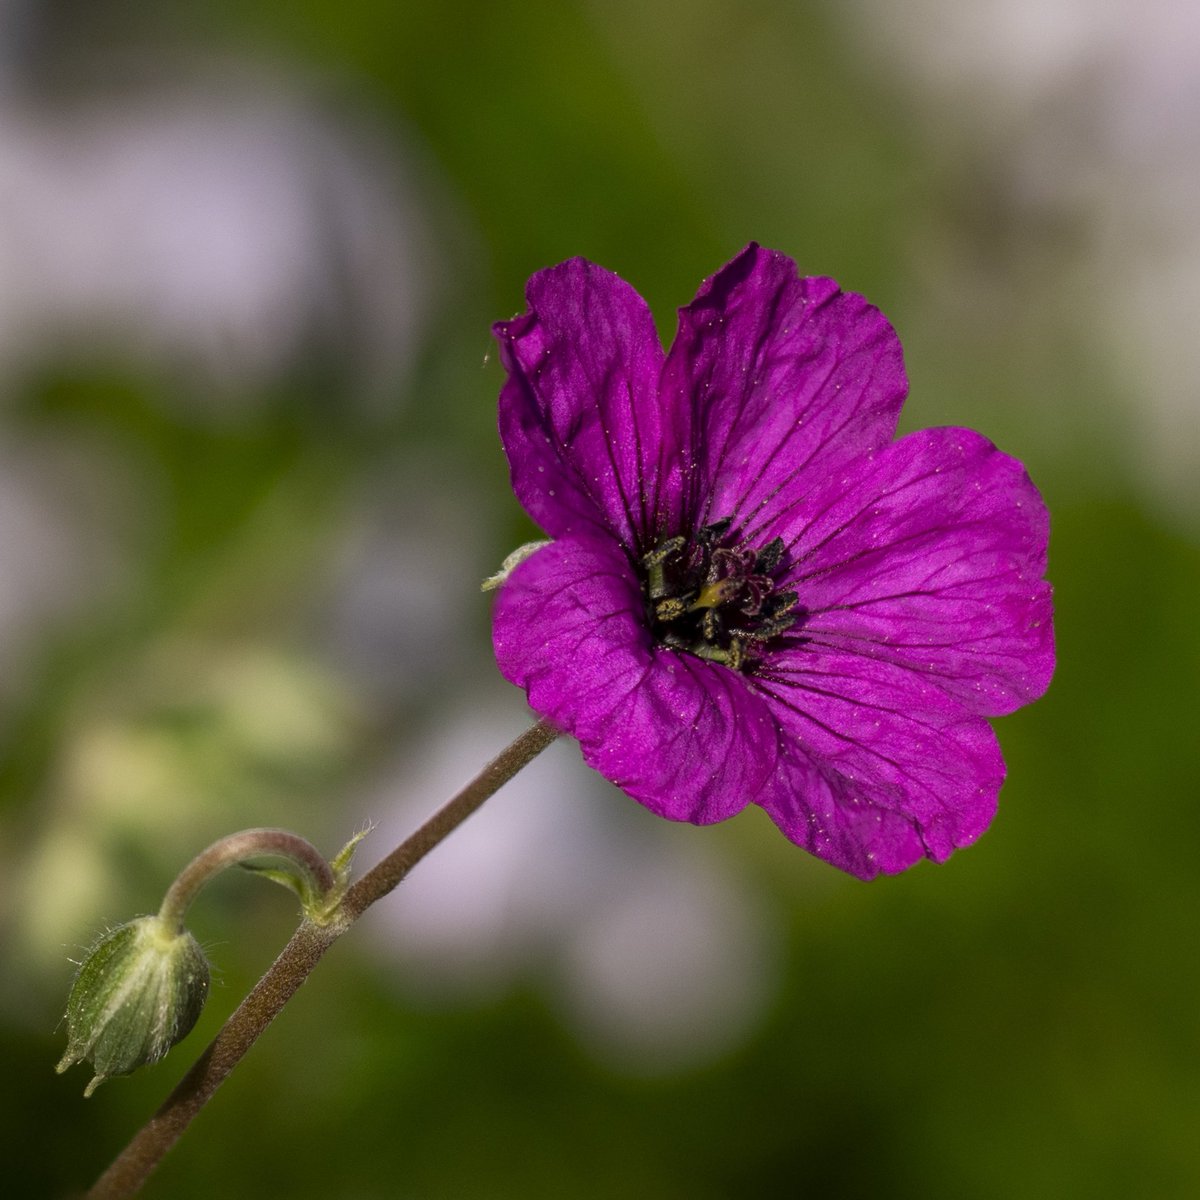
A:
[780,603]
[769,556]
[655,564]
[708,534]
[717,599]
[663,551]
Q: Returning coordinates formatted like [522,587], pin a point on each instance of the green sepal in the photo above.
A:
[326,909]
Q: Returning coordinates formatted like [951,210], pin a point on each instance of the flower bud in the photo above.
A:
[138,992]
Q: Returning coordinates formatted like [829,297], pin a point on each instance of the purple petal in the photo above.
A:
[932,557]
[790,378]
[688,739]
[877,767]
[588,444]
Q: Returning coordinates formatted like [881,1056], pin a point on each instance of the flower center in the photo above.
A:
[718,602]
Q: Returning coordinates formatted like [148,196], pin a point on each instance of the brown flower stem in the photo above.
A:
[134,1165]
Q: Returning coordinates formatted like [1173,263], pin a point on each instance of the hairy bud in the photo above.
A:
[140,990]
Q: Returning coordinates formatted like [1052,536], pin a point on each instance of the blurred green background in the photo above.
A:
[249,481]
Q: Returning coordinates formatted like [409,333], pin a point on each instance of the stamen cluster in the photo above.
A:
[718,602]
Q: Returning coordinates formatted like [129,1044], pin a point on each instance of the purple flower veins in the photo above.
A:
[753,593]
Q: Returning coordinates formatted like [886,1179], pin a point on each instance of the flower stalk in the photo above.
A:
[134,1165]
[284,857]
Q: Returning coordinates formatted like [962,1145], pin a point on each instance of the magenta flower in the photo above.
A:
[753,594]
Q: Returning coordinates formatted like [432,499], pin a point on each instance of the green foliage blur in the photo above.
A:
[1020,1022]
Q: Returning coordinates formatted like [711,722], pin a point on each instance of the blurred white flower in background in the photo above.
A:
[656,953]
[1089,111]
[221,229]
[216,230]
